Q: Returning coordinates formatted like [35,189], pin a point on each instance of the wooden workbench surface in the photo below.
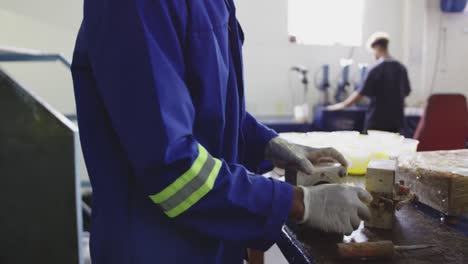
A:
[412,226]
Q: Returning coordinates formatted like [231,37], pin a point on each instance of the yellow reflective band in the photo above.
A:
[198,194]
[183,179]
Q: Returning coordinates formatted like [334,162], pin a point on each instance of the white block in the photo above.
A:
[381,176]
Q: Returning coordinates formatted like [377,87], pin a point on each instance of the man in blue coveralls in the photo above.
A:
[386,84]
[169,147]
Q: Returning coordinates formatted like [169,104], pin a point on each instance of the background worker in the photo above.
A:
[386,84]
[170,148]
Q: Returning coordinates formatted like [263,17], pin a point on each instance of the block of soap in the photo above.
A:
[381,176]
[380,180]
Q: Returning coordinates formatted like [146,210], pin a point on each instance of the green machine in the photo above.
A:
[40,203]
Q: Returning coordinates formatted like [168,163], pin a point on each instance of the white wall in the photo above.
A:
[268,55]
[51,25]
[431,34]
[48,25]
[411,24]
[452,32]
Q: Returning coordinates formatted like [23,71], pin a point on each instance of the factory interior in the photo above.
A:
[233,131]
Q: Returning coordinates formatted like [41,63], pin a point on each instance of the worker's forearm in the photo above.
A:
[355,96]
[297,208]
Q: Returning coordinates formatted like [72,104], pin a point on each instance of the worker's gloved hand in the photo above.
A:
[284,154]
[335,208]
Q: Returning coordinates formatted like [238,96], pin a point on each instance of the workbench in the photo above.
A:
[415,224]
[283,124]
[350,118]
[353,118]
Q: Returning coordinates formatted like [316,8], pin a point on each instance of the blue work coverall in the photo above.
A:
[168,144]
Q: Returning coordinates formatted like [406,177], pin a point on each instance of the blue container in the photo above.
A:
[453,6]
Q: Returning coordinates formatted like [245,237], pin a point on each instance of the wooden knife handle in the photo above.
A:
[380,249]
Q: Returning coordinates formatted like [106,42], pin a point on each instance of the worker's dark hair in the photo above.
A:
[381,42]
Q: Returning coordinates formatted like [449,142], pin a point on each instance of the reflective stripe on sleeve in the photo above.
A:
[191,186]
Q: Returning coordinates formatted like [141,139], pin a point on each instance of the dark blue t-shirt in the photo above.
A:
[387,85]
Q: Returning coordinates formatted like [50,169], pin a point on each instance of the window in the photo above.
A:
[326,22]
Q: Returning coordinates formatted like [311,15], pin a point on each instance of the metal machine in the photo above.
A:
[41,217]
[343,84]
[40,162]
[304,79]
[323,84]
[362,75]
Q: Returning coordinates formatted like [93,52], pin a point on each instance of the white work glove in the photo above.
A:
[284,154]
[335,208]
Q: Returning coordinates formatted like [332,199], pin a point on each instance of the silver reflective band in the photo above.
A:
[195,184]
[189,187]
